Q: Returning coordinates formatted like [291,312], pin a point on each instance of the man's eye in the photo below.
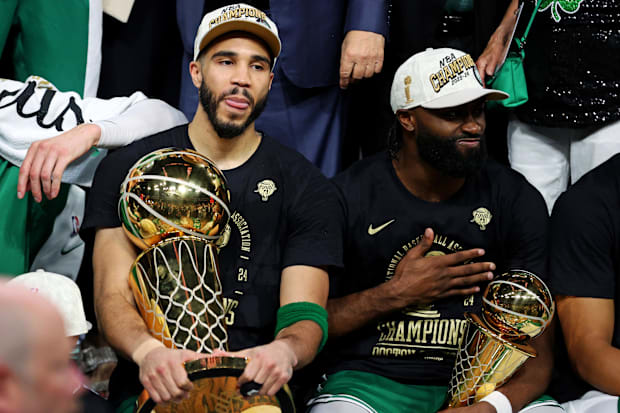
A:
[226,62]
[258,67]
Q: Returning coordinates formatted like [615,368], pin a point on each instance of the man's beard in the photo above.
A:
[444,155]
[228,130]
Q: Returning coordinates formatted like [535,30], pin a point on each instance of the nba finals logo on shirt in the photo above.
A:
[452,70]
[265,189]
[481,217]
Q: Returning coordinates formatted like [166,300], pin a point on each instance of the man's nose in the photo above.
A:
[241,76]
[473,125]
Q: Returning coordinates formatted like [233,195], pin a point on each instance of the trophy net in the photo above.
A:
[483,363]
[177,289]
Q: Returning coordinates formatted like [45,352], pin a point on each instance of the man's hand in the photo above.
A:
[421,280]
[162,373]
[361,56]
[270,365]
[47,159]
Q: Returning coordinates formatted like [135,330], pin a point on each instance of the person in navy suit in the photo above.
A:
[326,46]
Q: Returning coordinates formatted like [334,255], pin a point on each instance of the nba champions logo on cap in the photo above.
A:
[238,11]
[453,69]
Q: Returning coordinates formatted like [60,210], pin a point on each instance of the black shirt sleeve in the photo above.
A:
[102,206]
[526,243]
[313,235]
[582,244]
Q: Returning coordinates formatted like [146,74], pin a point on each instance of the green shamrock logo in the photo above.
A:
[568,6]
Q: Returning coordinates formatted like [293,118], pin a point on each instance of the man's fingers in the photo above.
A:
[459,292]
[46,175]
[379,65]
[346,67]
[469,281]
[35,177]
[425,244]
[157,390]
[24,171]
[59,169]
[250,372]
[470,269]
[460,256]
[369,70]
[180,379]
[358,71]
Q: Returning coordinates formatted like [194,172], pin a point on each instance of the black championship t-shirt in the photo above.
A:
[297,224]
[585,250]
[496,210]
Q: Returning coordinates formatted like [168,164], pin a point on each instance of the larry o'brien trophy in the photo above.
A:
[174,206]
[516,306]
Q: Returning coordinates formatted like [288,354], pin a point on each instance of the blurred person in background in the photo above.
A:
[36,371]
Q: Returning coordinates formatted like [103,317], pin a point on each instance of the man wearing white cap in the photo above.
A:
[281,239]
[426,226]
[36,372]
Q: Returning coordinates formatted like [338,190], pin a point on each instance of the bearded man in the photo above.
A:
[281,239]
[426,225]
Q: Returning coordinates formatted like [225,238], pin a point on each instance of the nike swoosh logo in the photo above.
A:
[65,250]
[373,231]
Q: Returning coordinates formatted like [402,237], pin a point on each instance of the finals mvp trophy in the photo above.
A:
[174,206]
[517,306]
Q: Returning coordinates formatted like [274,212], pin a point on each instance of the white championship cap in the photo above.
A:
[237,17]
[62,292]
[438,78]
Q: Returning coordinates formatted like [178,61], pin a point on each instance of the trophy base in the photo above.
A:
[216,390]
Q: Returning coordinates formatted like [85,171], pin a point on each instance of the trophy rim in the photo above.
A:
[524,348]
[217,366]
[170,240]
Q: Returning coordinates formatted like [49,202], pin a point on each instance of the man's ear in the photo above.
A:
[195,71]
[9,391]
[406,120]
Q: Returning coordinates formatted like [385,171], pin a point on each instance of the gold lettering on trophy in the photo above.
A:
[242,274]
[229,305]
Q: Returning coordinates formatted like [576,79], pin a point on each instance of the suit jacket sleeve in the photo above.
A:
[367,15]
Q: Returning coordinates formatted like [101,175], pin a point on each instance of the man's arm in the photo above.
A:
[364,42]
[417,280]
[588,326]
[161,369]
[45,155]
[295,346]
[498,43]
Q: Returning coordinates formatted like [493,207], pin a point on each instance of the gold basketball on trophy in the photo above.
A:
[517,304]
[173,192]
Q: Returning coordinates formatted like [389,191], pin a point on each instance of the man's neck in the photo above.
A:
[423,180]
[225,153]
